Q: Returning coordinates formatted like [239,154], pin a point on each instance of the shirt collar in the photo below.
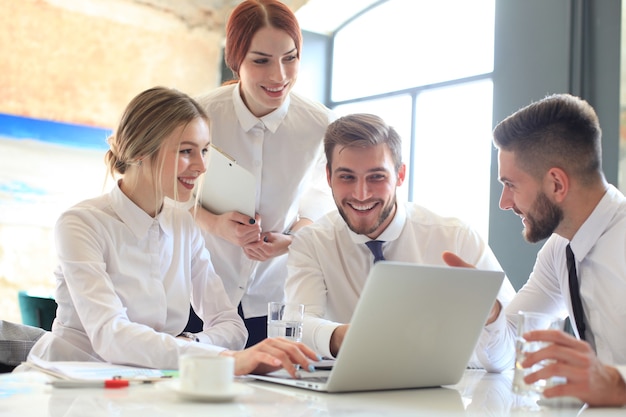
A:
[134,217]
[392,232]
[597,222]
[247,120]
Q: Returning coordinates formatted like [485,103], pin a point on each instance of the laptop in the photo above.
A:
[414,326]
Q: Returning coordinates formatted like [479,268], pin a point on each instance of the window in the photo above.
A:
[426,68]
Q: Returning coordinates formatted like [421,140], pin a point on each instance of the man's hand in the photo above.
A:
[586,377]
[451,259]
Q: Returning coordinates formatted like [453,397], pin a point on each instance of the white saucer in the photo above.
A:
[174,385]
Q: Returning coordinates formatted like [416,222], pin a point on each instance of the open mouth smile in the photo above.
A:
[188,183]
[362,207]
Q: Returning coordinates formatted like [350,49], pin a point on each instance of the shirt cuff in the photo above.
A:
[322,339]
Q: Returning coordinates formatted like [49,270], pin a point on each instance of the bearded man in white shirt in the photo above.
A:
[329,260]
[550,166]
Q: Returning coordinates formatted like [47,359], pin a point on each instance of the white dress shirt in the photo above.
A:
[284,152]
[328,265]
[599,248]
[124,283]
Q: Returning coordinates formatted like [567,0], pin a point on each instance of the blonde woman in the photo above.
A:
[129,265]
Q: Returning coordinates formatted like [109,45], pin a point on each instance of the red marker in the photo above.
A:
[109,383]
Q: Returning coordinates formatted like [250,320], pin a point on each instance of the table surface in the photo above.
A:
[477,394]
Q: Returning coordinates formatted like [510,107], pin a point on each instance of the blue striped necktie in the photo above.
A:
[376,246]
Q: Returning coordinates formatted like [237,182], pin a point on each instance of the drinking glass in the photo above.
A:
[528,321]
[285,320]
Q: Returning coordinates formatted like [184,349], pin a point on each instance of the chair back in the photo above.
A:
[37,310]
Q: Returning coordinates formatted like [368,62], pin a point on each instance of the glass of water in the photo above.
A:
[528,321]
[285,320]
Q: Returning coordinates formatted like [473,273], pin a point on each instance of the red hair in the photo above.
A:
[245,21]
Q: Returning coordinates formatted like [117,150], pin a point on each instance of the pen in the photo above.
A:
[108,383]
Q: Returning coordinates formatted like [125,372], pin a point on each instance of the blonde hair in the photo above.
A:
[147,121]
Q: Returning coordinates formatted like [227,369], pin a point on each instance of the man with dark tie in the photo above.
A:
[550,166]
[330,260]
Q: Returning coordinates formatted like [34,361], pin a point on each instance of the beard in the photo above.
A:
[542,219]
[368,229]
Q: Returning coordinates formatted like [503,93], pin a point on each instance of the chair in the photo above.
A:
[16,340]
[37,310]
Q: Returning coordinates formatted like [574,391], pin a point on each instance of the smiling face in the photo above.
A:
[363,182]
[523,194]
[268,71]
[183,156]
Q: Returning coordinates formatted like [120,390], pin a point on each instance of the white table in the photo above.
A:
[477,394]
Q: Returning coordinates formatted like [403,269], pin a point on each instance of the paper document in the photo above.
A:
[227,186]
[97,371]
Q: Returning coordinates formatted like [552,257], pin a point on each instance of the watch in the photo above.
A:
[190,336]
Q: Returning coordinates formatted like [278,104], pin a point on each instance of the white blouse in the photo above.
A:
[284,151]
[124,283]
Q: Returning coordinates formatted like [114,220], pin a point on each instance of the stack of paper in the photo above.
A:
[98,371]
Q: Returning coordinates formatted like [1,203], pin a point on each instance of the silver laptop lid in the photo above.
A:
[414,326]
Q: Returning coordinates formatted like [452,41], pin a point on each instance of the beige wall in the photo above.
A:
[82,63]
[63,65]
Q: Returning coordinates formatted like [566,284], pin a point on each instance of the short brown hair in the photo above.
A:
[246,20]
[362,130]
[560,130]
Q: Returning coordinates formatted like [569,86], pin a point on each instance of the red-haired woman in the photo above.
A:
[277,135]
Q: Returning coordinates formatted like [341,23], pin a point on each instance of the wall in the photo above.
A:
[64,65]
[82,64]
[541,48]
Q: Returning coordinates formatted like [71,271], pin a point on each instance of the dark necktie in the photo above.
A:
[574,291]
[376,246]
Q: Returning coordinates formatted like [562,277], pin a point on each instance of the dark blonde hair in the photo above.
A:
[362,130]
[148,120]
[560,131]
[246,20]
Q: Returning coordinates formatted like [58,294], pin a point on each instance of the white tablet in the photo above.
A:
[227,186]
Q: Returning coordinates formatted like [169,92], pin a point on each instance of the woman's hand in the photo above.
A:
[232,226]
[270,246]
[272,354]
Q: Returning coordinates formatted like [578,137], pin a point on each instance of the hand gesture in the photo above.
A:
[452,259]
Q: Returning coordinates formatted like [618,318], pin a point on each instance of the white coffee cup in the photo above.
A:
[206,375]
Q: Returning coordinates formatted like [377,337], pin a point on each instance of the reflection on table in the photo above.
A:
[477,394]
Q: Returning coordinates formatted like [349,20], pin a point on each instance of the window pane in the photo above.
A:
[396,112]
[453,152]
[408,43]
